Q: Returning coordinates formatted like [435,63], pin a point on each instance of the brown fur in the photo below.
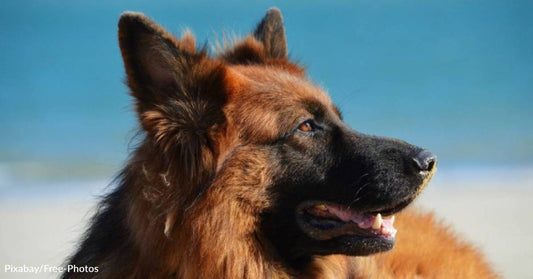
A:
[191,196]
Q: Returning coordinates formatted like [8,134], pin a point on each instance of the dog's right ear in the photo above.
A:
[266,46]
[271,33]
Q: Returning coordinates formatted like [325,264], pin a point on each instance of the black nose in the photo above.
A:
[425,160]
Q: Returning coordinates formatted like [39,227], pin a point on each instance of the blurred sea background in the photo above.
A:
[455,77]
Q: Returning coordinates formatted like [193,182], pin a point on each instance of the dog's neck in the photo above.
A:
[214,246]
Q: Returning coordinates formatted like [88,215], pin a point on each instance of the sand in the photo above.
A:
[488,208]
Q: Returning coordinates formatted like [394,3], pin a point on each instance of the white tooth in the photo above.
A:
[377,222]
[392,219]
[386,231]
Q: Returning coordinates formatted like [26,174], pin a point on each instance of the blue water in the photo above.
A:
[453,76]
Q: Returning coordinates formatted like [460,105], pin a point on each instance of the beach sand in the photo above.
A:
[488,208]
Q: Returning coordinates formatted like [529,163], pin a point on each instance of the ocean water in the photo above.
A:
[455,76]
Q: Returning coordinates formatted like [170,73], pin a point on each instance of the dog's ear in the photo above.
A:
[267,45]
[271,33]
[179,92]
[154,59]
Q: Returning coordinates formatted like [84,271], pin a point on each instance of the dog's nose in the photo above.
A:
[425,161]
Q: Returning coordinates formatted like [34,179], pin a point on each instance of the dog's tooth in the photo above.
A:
[377,222]
[392,218]
[321,207]
[389,232]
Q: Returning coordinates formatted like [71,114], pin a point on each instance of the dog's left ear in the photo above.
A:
[271,33]
[179,94]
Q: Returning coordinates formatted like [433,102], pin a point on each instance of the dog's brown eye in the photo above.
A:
[306,126]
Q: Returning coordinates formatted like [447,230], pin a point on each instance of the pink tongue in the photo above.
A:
[362,220]
[346,215]
[343,214]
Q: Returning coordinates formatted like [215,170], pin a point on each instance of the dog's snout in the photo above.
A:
[425,161]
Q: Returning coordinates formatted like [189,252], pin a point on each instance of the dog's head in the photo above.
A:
[249,122]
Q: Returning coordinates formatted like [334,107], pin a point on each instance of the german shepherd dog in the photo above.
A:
[246,170]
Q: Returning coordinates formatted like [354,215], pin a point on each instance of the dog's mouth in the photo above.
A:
[326,220]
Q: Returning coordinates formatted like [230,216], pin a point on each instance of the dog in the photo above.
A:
[247,170]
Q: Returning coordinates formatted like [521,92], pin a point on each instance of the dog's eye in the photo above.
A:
[307,126]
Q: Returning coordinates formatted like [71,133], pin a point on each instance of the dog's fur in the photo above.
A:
[233,145]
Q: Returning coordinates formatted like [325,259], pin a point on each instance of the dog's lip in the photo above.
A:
[326,220]
[395,208]
[384,210]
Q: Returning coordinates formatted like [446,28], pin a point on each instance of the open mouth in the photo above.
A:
[325,220]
